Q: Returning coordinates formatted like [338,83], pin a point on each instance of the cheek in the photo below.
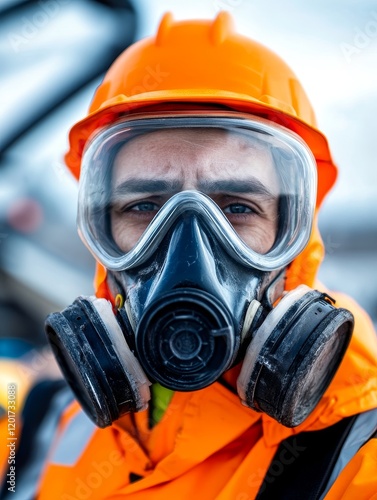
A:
[117,233]
[260,237]
[125,239]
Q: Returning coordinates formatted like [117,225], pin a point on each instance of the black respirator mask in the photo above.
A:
[192,297]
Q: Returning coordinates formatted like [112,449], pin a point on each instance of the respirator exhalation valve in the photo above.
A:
[185,339]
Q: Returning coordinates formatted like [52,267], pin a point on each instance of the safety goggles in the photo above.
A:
[253,187]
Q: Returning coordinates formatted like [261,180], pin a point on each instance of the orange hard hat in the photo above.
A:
[203,63]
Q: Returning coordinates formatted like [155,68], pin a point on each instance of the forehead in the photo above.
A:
[192,153]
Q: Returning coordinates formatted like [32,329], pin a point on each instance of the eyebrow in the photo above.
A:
[141,186]
[250,185]
[151,186]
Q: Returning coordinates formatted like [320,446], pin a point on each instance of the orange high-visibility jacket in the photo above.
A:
[207,445]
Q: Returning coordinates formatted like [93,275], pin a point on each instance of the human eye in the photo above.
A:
[242,211]
[144,206]
[135,207]
[238,208]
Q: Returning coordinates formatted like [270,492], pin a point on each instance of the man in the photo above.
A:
[200,175]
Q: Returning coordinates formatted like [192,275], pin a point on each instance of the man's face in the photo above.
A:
[233,170]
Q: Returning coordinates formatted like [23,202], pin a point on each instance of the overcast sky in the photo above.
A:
[332,47]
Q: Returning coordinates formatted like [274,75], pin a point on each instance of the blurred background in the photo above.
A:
[53,54]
